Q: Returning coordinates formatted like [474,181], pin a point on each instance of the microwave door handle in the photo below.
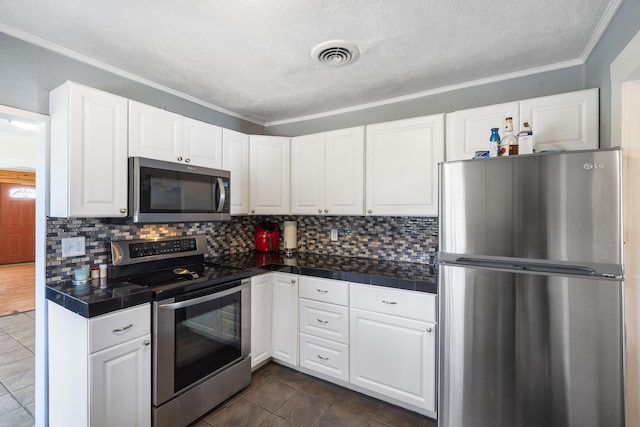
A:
[223,195]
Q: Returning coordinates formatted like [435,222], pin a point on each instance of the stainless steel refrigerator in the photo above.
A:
[530,291]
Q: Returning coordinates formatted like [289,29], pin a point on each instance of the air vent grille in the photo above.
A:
[335,53]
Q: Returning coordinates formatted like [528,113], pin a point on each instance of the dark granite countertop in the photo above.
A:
[93,299]
[400,275]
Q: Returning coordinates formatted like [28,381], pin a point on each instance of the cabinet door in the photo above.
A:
[261,300]
[284,326]
[307,174]
[155,133]
[88,153]
[568,121]
[120,384]
[269,175]
[235,158]
[202,144]
[344,172]
[394,356]
[468,131]
[402,166]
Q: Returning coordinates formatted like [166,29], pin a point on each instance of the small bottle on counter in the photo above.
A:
[95,272]
[509,142]
[494,140]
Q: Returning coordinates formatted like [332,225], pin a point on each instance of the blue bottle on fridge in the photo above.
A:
[494,141]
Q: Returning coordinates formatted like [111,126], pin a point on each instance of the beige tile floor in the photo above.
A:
[277,396]
[17,369]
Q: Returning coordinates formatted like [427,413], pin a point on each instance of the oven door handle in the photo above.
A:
[200,300]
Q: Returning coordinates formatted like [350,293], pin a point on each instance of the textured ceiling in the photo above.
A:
[252,57]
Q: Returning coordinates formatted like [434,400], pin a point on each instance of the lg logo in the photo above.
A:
[589,166]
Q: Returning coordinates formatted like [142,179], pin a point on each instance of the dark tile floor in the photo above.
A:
[280,396]
[17,369]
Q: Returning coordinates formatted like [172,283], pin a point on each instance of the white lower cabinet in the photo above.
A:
[99,368]
[120,384]
[393,344]
[324,326]
[284,320]
[261,302]
[324,356]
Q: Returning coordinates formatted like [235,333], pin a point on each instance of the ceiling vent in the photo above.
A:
[335,53]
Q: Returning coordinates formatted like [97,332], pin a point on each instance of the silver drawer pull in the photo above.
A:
[146,342]
[323,358]
[324,322]
[322,291]
[123,329]
[429,329]
[389,302]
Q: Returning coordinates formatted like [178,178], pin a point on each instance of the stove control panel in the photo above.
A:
[137,250]
[125,252]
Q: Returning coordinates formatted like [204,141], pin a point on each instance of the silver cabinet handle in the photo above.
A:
[429,329]
[324,322]
[123,329]
[326,211]
[319,210]
[146,342]
[123,210]
[389,302]
[187,160]
[253,211]
[323,358]
[293,281]
[179,158]
[369,211]
[322,291]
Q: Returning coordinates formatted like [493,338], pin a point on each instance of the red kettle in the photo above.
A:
[267,237]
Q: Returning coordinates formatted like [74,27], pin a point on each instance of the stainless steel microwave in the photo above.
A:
[173,192]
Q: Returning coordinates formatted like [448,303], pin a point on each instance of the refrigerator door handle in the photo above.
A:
[532,267]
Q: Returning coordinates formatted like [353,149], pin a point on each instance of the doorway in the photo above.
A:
[17,216]
[11,159]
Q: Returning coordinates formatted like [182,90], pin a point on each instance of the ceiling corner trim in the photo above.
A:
[466,85]
[606,19]
[29,38]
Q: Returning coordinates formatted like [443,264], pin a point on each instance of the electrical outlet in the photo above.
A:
[73,246]
[334,235]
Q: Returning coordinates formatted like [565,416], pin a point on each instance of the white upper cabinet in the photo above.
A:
[158,134]
[402,166]
[235,158]
[154,133]
[468,131]
[569,121]
[202,144]
[269,170]
[327,173]
[88,152]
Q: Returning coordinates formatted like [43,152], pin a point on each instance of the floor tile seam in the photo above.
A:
[370,418]
[17,360]
[2,414]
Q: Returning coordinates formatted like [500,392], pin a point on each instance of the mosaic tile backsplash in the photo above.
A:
[409,239]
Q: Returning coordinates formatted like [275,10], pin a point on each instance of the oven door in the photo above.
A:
[197,335]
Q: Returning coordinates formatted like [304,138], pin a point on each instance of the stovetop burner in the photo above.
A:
[169,266]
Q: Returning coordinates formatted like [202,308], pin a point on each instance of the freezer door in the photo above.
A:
[561,207]
[529,350]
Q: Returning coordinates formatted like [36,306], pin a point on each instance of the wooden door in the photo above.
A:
[17,223]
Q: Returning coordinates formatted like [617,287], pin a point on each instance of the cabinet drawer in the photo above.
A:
[324,356]
[325,290]
[118,327]
[324,320]
[409,304]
